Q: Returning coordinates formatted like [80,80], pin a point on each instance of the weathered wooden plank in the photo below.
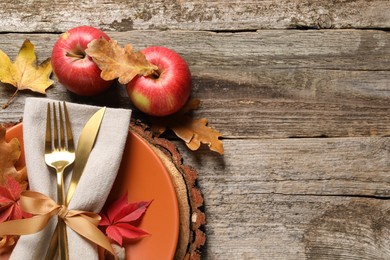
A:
[61,15]
[296,198]
[297,227]
[208,52]
[265,84]
[297,166]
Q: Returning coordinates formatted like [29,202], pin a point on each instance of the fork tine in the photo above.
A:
[62,135]
[48,145]
[69,134]
[56,146]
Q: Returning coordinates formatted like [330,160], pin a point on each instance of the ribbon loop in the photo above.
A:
[82,222]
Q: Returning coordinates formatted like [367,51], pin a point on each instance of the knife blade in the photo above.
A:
[84,146]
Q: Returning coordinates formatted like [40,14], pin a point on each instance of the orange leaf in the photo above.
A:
[9,155]
[116,62]
[193,132]
[24,73]
[7,243]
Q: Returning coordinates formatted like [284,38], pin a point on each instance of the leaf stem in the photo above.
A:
[10,99]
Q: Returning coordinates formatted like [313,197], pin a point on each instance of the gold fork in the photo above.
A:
[59,154]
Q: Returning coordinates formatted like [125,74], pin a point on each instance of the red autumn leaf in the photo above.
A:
[9,200]
[120,218]
[122,230]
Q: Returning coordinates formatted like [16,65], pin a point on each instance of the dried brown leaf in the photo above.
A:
[193,132]
[117,62]
[160,124]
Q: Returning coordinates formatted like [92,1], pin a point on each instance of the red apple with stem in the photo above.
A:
[167,89]
[74,69]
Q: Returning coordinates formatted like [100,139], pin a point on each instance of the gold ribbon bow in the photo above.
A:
[82,222]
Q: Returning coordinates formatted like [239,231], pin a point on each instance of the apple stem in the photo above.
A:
[75,55]
[10,99]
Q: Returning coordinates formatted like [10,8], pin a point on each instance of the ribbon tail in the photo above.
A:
[88,230]
[25,226]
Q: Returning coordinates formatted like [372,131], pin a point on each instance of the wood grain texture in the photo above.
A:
[218,15]
[296,198]
[265,84]
[304,113]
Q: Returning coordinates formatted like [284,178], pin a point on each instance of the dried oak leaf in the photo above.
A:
[9,155]
[24,73]
[193,132]
[117,62]
[121,217]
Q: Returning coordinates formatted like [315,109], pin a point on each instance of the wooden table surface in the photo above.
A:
[300,91]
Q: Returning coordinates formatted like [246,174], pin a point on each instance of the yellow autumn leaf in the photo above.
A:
[117,62]
[24,73]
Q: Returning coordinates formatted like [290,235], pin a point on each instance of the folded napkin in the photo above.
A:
[97,179]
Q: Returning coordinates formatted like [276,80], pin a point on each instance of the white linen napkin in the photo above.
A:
[97,179]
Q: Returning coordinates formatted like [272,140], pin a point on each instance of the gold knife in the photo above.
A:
[84,146]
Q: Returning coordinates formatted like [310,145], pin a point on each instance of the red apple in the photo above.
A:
[166,91]
[74,69]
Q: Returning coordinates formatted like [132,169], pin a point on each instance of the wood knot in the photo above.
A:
[324,21]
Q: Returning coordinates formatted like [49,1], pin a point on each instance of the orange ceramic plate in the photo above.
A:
[144,177]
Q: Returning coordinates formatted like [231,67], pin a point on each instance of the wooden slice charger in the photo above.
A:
[190,200]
